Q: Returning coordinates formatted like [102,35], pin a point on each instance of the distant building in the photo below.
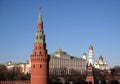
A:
[64,63]
[100,64]
[24,67]
[60,62]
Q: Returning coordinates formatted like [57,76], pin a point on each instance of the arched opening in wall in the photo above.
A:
[40,30]
[40,52]
[34,66]
[39,47]
[40,66]
[35,47]
[90,82]
[40,37]
[35,53]
[36,37]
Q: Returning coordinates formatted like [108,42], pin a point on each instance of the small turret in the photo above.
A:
[90,75]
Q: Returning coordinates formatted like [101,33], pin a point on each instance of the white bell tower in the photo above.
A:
[91,56]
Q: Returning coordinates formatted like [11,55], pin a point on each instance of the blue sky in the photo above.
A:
[72,25]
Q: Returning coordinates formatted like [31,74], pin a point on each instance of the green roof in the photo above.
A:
[59,52]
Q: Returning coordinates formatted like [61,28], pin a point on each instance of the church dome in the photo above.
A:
[84,54]
[101,58]
[91,47]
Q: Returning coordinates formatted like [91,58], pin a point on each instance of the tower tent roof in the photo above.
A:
[40,32]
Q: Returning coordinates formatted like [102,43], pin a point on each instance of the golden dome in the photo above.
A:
[84,54]
[100,58]
[91,47]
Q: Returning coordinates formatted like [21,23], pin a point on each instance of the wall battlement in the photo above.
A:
[16,82]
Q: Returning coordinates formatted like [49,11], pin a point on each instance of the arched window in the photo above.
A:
[40,52]
[40,37]
[35,53]
[34,66]
[40,47]
[40,66]
[36,47]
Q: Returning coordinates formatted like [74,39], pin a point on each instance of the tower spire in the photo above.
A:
[40,15]
[40,32]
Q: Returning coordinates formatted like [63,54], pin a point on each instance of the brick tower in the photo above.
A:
[39,57]
[90,75]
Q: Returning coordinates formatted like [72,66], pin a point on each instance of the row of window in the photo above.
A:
[36,53]
[39,48]
[63,71]
[39,59]
[39,66]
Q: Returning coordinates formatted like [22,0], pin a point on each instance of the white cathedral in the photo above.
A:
[100,64]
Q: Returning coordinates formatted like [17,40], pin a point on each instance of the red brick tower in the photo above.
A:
[39,57]
[90,76]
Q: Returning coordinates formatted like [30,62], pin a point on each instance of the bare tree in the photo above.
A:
[3,71]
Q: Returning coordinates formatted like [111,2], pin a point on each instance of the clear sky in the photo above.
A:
[72,25]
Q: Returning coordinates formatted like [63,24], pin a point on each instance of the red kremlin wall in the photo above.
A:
[15,82]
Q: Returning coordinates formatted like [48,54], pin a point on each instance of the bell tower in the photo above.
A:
[39,57]
[91,56]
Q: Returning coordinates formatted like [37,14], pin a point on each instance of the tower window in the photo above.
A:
[40,66]
[34,66]
[35,47]
[40,37]
[36,37]
[40,52]
[35,53]
[40,47]
[90,69]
